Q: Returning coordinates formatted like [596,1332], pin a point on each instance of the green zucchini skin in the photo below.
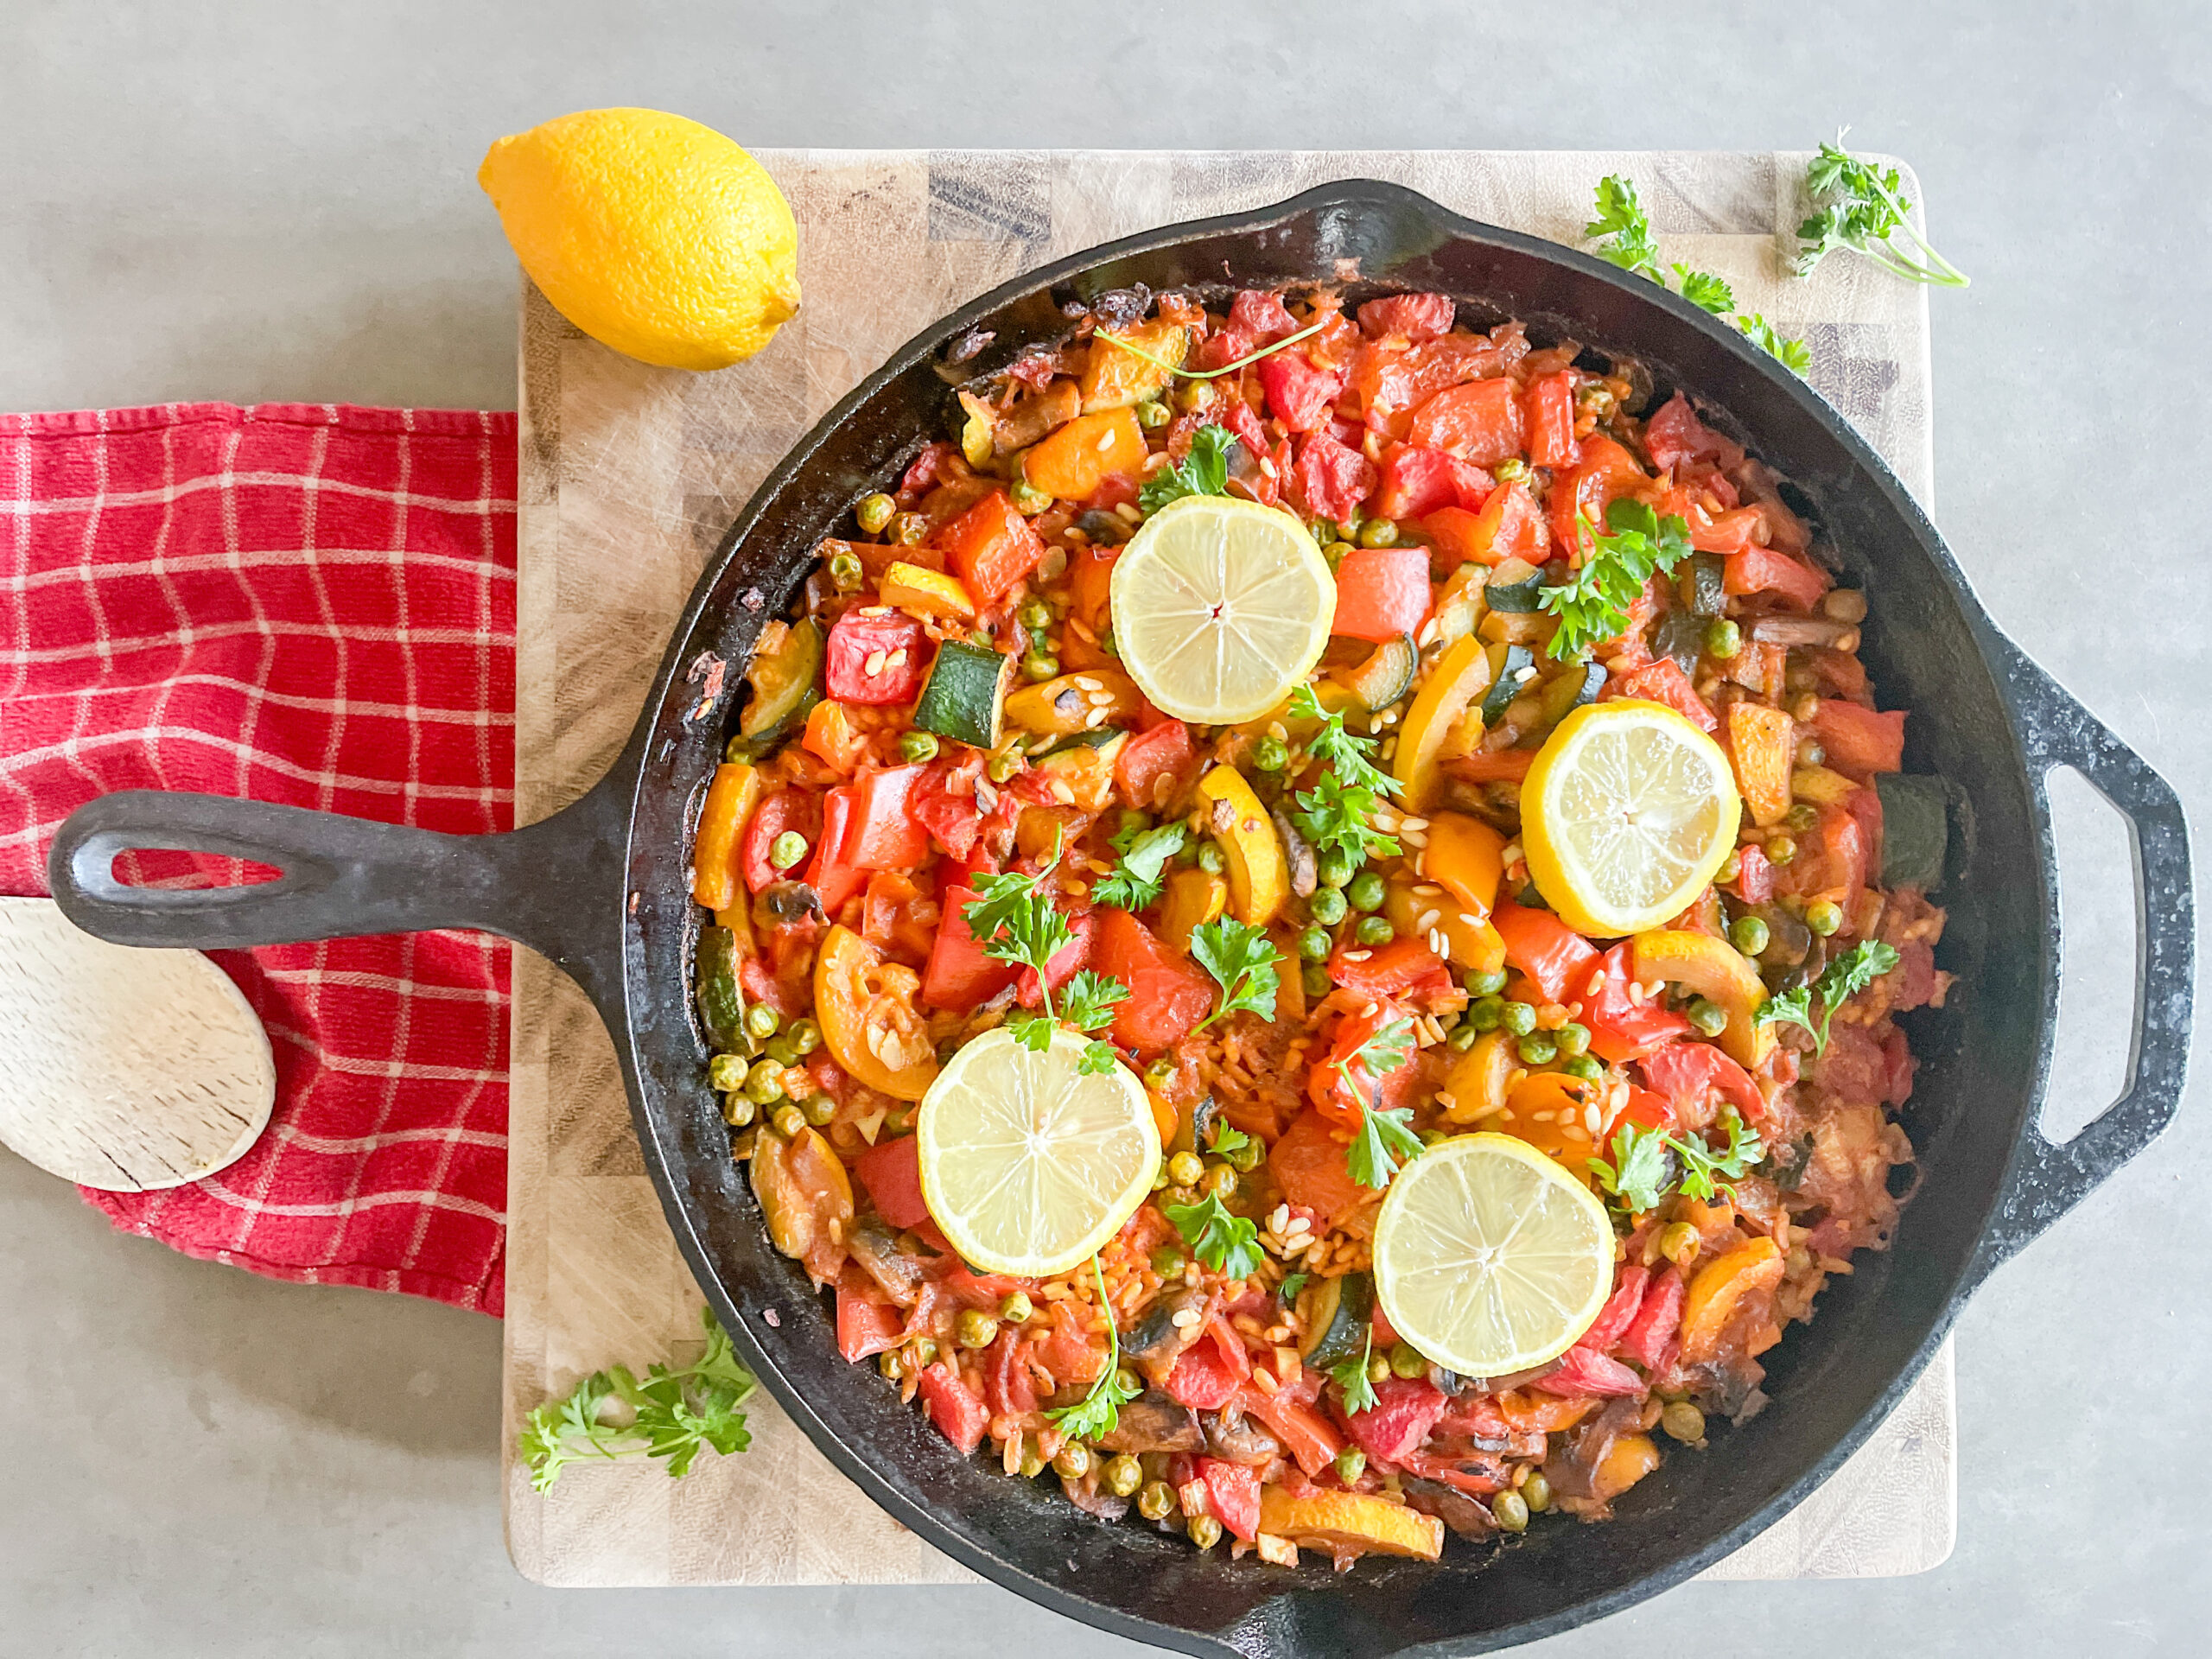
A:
[721,1002]
[1511,682]
[1342,1310]
[1517,599]
[784,684]
[965,696]
[1916,829]
[1706,585]
[1386,676]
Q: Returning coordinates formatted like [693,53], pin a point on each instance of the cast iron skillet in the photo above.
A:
[603,889]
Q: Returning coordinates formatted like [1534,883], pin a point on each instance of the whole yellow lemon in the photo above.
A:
[653,234]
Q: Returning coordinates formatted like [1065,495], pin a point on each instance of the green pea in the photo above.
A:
[1314,944]
[1034,615]
[1809,752]
[1708,1017]
[727,1072]
[1367,891]
[1029,500]
[1037,665]
[975,1329]
[1683,1422]
[819,1109]
[1407,1361]
[1073,1461]
[1801,817]
[1015,1309]
[874,512]
[1730,866]
[787,850]
[763,1084]
[1348,529]
[1184,1168]
[918,745]
[1537,1492]
[1378,532]
[1780,849]
[1723,640]
[1131,822]
[1152,415]
[780,1050]
[1679,1242]
[1032,1463]
[805,1036]
[1518,1019]
[1378,1369]
[1485,1013]
[1462,1038]
[1511,468]
[1168,1262]
[1121,1475]
[1805,709]
[1129,1382]
[1003,765]
[1314,976]
[1245,1158]
[1270,754]
[1573,1039]
[1160,1074]
[1205,1531]
[845,572]
[1510,1510]
[1824,916]
[761,1023]
[1212,859]
[1375,930]
[1157,1501]
[1351,1463]
[1328,906]
[1325,531]
[789,1121]
[1536,1049]
[1333,867]
[1588,1067]
[1748,934]
[911,529]
[1486,984]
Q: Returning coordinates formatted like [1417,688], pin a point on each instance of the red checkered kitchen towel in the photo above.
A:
[312,605]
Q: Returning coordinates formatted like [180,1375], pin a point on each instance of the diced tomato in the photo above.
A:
[1405,1409]
[1390,970]
[1897,1066]
[1299,394]
[1382,594]
[1333,481]
[950,814]
[1479,422]
[1657,1319]
[1164,752]
[1307,1163]
[1732,532]
[1543,947]
[1754,882]
[833,875]
[1550,422]
[1342,1089]
[1067,1349]
[1390,379]
[1386,1334]
[1492,766]
[956,1409]
[1007,1388]
[1649,1108]
[1417,481]
[1866,809]
[1509,525]
[1831,861]
[867,1322]
[1684,1071]
[1622,1029]
[1168,995]
[1763,570]
[1065,963]
[792,810]
[1663,682]
[1620,1308]
[858,640]
[1583,1371]
[1859,741]
[891,1170]
[1306,1433]
[1261,316]
[992,547]
[1676,434]
[1412,317]
[883,834]
[959,975]
[1208,1373]
[1233,1493]
[1602,473]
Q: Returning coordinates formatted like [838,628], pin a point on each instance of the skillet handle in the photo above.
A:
[2046,1180]
[545,885]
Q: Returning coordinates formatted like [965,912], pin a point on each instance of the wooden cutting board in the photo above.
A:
[630,475]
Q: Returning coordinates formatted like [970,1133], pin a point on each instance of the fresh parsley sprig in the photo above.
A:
[1351,1376]
[1385,1137]
[1338,811]
[1863,207]
[672,1414]
[1099,1412]
[1142,872]
[1241,959]
[1203,471]
[1593,604]
[1640,1174]
[1705,290]
[1847,976]
[1016,921]
[1244,362]
[1795,355]
[1229,1244]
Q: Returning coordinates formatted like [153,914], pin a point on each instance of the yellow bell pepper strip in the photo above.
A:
[927,594]
[1259,876]
[1115,379]
[1480,1079]
[1762,742]
[1474,945]
[730,800]
[1719,1288]
[1083,454]
[1327,1520]
[869,1023]
[1715,969]
[1821,786]
[1062,707]
[1456,680]
[1193,898]
[1467,858]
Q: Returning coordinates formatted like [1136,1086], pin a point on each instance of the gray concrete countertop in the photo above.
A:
[275,199]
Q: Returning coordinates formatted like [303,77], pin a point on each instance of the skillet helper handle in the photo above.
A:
[338,877]
[2047,1179]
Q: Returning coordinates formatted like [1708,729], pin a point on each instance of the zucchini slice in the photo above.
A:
[1704,586]
[784,672]
[1338,1330]
[721,1002]
[1565,693]
[1916,829]
[1385,677]
[965,696]
[1514,587]
[1513,670]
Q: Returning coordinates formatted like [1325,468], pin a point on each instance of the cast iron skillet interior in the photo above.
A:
[603,889]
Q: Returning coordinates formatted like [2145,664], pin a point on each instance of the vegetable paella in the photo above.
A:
[1307,923]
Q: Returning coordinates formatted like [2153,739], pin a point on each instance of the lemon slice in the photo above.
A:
[1220,606]
[1626,814]
[1490,1257]
[1028,1165]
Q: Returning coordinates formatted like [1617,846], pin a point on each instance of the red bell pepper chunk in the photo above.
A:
[951,818]
[1619,1310]
[1417,481]
[1299,394]
[1732,532]
[1305,1431]
[1207,1374]
[1413,317]
[1382,594]
[1389,969]
[956,1409]
[1763,570]
[1405,1410]
[1334,480]
[1676,434]
[1007,1388]
[992,547]
[1831,861]
[891,1171]
[1621,1028]
[1754,882]
[960,976]
[1307,1163]
[1551,419]
[1543,947]
[1233,1493]
[1602,473]
[1859,741]
[1663,682]
[1656,1321]
[1342,1089]
[867,1322]
[1480,423]
[834,877]
[883,834]
[1684,1071]
[1583,1371]
[1168,995]
[1065,963]
[1164,752]
[788,810]
[875,659]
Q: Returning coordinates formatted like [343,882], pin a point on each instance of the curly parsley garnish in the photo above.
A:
[1640,1172]
[1142,873]
[1015,921]
[1227,1244]
[1241,960]
[1863,209]
[1099,1412]
[1338,811]
[1795,355]
[1351,1376]
[1205,471]
[672,1414]
[1847,977]
[1592,605]
[1385,1137]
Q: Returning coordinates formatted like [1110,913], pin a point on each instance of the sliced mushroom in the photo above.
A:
[1152,1422]
[1237,1438]
[1298,853]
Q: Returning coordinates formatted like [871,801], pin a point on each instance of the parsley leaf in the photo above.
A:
[1205,471]
[1142,872]
[1705,290]
[1863,207]
[1343,753]
[1638,1174]
[1621,221]
[1351,1376]
[1099,1412]
[1384,1137]
[1032,1030]
[1228,1138]
[1015,920]
[1847,976]
[1700,1164]
[673,1414]
[1229,1244]
[1338,811]
[1795,355]
[1087,1000]
[1593,604]
[1286,1292]
[1098,1059]
[1641,1173]
[1241,960]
